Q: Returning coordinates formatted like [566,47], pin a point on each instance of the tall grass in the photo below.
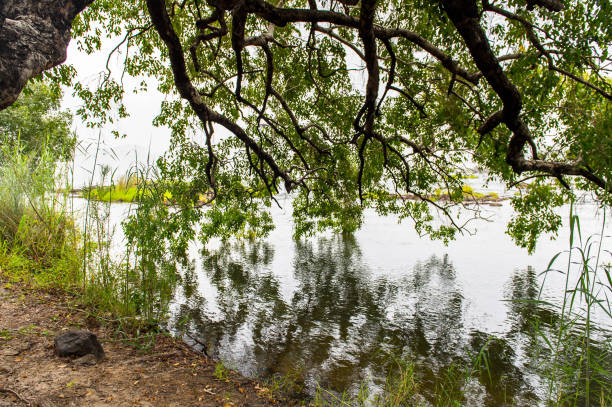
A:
[46,242]
[401,389]
[579,369]
[137,283]
[38,236]
[405,387]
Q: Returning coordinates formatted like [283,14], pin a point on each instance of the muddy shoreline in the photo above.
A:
[150,370]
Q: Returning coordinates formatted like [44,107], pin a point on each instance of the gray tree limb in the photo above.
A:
[34,36]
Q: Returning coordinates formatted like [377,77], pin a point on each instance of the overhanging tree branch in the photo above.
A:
[464,15]
[163,25]
[34,35]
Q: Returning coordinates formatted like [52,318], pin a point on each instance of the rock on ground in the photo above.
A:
[78,343]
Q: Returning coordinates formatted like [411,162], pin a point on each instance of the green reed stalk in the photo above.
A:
[567,372]
[86,228]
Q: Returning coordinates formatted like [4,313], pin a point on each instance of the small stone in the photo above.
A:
[78,343]
[10,352]
[92,322]
[5,369]
[87,360]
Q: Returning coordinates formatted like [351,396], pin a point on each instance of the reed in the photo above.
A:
[37,234]
[579,369]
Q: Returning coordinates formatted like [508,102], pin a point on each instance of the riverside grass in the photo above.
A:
[46,244]
[138,283]
[404,387]
[577,372]
[38,235]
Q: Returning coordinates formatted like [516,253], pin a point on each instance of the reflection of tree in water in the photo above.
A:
[339,324]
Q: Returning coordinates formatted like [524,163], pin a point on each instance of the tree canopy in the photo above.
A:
[35,122]
[354,104]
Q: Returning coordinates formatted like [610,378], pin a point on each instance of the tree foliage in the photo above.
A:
[352,105]
[35,122]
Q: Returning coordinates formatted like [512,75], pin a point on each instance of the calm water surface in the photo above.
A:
[340,309]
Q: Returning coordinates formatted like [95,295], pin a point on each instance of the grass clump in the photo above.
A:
[39,240]
[221,372]
[402,388]
[45,244]
[288,386]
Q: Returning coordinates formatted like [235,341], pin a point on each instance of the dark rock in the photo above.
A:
[78,343]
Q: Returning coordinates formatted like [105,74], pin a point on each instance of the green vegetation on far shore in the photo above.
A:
[124,189]
[128,190]
[113,194]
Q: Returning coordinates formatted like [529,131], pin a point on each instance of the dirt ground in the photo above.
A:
[168,373]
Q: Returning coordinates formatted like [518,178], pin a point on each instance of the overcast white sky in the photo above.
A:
[142,136]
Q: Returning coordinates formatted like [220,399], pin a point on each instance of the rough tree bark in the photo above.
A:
[34,35]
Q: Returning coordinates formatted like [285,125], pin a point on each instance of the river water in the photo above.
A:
[340,311]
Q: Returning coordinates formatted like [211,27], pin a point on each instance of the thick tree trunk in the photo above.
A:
[34,35]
